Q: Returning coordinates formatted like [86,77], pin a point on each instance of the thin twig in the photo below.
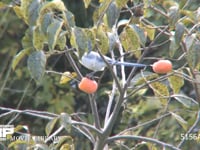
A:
[144,124]
[73,64]
[134,137]
[94,111]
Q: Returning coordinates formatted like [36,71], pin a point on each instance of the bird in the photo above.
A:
[94,61]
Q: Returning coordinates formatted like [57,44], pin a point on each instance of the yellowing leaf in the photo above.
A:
[160,90]
[24,9]
[176,83]
[103,42]
[130,41]
[65,143]
[20,56]
[150,31]
[67,76]
[51,125]
[121,3]
[52,6]
[38,39]
[87,3]
[140,79]
[61,41]
[18,12]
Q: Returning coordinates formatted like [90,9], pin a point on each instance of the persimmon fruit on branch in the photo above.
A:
[162,66]
[88,85]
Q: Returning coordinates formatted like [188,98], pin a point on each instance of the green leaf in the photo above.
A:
[180,120]
[38,38]
[121,3]
[130,41]
[148,12]
[45,21]
[36,65]
[91,36]
[123,22]
[192,54]
[140,33]
[179,32]
[69,20]
[112,14]
[53,32]
[195,51]
[173,14]
[65,120]
[173,46]
[79,40]
[176,82]
[100,12]
[189,41]
[20,56]
[33,12]
[113,39]
[27,39]
[185,100]
[51,126]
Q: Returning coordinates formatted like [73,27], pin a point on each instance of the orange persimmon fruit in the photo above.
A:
[162,66]
[88,85]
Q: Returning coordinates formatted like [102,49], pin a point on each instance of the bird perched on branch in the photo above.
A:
[94,61]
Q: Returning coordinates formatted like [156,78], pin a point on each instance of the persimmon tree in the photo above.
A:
[132,108]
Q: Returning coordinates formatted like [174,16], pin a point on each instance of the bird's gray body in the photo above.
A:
[93,61]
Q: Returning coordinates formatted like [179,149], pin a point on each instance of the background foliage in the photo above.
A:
[36,40]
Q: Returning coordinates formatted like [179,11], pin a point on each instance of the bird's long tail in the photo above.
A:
[129,64]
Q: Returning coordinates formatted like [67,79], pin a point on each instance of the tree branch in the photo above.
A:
[134,137]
